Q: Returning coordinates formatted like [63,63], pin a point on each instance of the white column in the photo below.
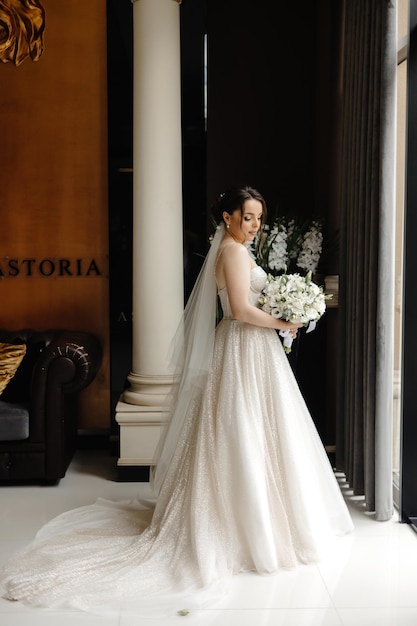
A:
[157,226]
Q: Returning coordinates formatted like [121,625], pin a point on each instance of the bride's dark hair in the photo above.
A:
[233,200]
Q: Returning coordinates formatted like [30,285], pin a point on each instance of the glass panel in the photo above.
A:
[402,18]
[401,134]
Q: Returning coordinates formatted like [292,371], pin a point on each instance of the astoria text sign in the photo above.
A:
[52,267]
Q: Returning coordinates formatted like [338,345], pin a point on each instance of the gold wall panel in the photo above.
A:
[53,185]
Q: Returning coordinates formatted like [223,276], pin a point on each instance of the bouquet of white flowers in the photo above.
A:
[293,298]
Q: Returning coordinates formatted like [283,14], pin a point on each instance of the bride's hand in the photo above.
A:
[293,330]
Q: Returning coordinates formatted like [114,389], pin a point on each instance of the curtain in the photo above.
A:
[366,298]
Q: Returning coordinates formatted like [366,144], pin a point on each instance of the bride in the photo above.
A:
[242,480]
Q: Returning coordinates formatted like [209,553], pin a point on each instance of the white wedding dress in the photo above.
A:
[249,488]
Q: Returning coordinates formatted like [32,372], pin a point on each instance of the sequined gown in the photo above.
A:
[250,488]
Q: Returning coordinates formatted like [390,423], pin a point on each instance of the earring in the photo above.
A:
[227,225]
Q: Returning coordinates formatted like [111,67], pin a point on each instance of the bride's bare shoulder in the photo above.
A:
[231,254]
[232,250]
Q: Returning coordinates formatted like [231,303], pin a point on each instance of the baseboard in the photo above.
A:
[133,473]
[93,440]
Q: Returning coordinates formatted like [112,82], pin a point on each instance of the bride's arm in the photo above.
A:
[236,266]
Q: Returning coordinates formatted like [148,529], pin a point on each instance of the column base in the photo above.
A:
[140,430]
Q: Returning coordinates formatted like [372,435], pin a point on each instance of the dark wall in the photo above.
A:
[120,185]
[261,83]
[273,72]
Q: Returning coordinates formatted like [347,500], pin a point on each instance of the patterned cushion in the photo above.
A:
[10,358]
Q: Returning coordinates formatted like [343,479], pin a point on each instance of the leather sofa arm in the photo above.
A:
[71,360]
[66,365]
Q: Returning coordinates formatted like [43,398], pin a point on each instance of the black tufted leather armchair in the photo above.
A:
[38,420]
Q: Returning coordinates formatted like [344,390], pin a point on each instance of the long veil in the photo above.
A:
[191,355]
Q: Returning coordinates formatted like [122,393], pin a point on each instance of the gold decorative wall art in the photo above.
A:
[22,24]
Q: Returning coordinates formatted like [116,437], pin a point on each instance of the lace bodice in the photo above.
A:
[257,283]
